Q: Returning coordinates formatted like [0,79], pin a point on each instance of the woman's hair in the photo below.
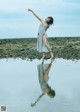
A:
[51,92]
[51,20]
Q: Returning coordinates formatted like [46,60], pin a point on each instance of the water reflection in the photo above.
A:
[19,85]
[43,76]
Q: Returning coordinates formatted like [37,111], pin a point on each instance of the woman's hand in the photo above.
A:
[35,15]
[30,10]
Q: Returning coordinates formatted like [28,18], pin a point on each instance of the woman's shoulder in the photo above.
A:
[44,23]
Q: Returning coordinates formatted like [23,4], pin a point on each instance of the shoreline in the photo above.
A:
[25,48]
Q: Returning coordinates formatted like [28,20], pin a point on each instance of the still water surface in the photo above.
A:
[24,83]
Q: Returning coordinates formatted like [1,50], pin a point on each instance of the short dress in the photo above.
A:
[41,69]
[40,43]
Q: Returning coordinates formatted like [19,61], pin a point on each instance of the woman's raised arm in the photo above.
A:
[36,15]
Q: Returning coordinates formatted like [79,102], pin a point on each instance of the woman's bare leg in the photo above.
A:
[48,47]
[52,57]
[42,58]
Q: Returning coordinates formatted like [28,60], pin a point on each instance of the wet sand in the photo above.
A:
[25,48]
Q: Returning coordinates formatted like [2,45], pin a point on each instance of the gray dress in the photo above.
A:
[40,43]
[41,69]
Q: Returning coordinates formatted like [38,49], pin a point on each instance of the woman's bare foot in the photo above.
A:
[43,58]
[42,61]
[52,57]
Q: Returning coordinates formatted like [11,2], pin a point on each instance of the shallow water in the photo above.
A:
[20,85]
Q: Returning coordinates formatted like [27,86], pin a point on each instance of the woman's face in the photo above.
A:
[47,19]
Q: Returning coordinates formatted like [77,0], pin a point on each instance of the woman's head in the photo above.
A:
[50,92]
[49,20]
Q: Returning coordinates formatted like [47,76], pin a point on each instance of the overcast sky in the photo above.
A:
[17,22]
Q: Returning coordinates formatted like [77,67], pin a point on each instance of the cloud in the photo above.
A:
[12,15]
[18,5]
[13,5]
[15,20]
[72,1]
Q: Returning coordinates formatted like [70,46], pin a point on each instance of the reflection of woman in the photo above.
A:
[43,71]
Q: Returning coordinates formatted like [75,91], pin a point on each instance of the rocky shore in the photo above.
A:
[25,48]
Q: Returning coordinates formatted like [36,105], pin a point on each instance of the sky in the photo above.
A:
[17,22]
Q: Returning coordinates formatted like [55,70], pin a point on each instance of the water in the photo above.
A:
[21,86]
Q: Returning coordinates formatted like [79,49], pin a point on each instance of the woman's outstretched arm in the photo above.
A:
[35,15]
[37,100]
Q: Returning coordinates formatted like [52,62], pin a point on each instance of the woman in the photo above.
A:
[42,42]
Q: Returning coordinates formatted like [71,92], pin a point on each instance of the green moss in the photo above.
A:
[67,48]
